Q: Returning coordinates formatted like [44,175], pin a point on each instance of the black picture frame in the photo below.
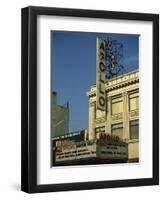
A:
[29,99]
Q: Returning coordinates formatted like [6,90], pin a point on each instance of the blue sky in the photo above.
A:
[74,68]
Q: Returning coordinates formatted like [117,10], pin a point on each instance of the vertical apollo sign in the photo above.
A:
[100,75]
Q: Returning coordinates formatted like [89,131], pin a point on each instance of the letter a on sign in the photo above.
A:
[100,75]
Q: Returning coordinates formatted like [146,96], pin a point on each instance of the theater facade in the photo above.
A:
[112,135]
[121,114]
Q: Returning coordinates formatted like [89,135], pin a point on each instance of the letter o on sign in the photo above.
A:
[102,67]
[102,101]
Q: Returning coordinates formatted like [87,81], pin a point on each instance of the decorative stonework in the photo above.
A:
[134,113]
[117,116]
[100,120]
[117,83]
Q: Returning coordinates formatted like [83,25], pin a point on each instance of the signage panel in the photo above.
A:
[100,74]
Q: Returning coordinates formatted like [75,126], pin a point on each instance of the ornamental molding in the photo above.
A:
[117,83]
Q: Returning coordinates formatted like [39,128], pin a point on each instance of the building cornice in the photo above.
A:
[117,83]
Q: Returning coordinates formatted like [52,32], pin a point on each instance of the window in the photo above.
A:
[117,106]
[117,130]
[134,101]
[134,129]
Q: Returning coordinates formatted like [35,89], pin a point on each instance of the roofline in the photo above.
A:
[134,71]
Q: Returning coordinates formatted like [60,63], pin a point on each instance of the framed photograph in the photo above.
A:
[90,99]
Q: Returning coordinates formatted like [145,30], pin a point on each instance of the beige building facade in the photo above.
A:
[121,116]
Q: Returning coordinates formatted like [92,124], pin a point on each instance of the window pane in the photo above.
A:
[117,130]
[134,129]
[117,107]
[134,103]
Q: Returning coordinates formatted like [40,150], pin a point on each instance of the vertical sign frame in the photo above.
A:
[100,75]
